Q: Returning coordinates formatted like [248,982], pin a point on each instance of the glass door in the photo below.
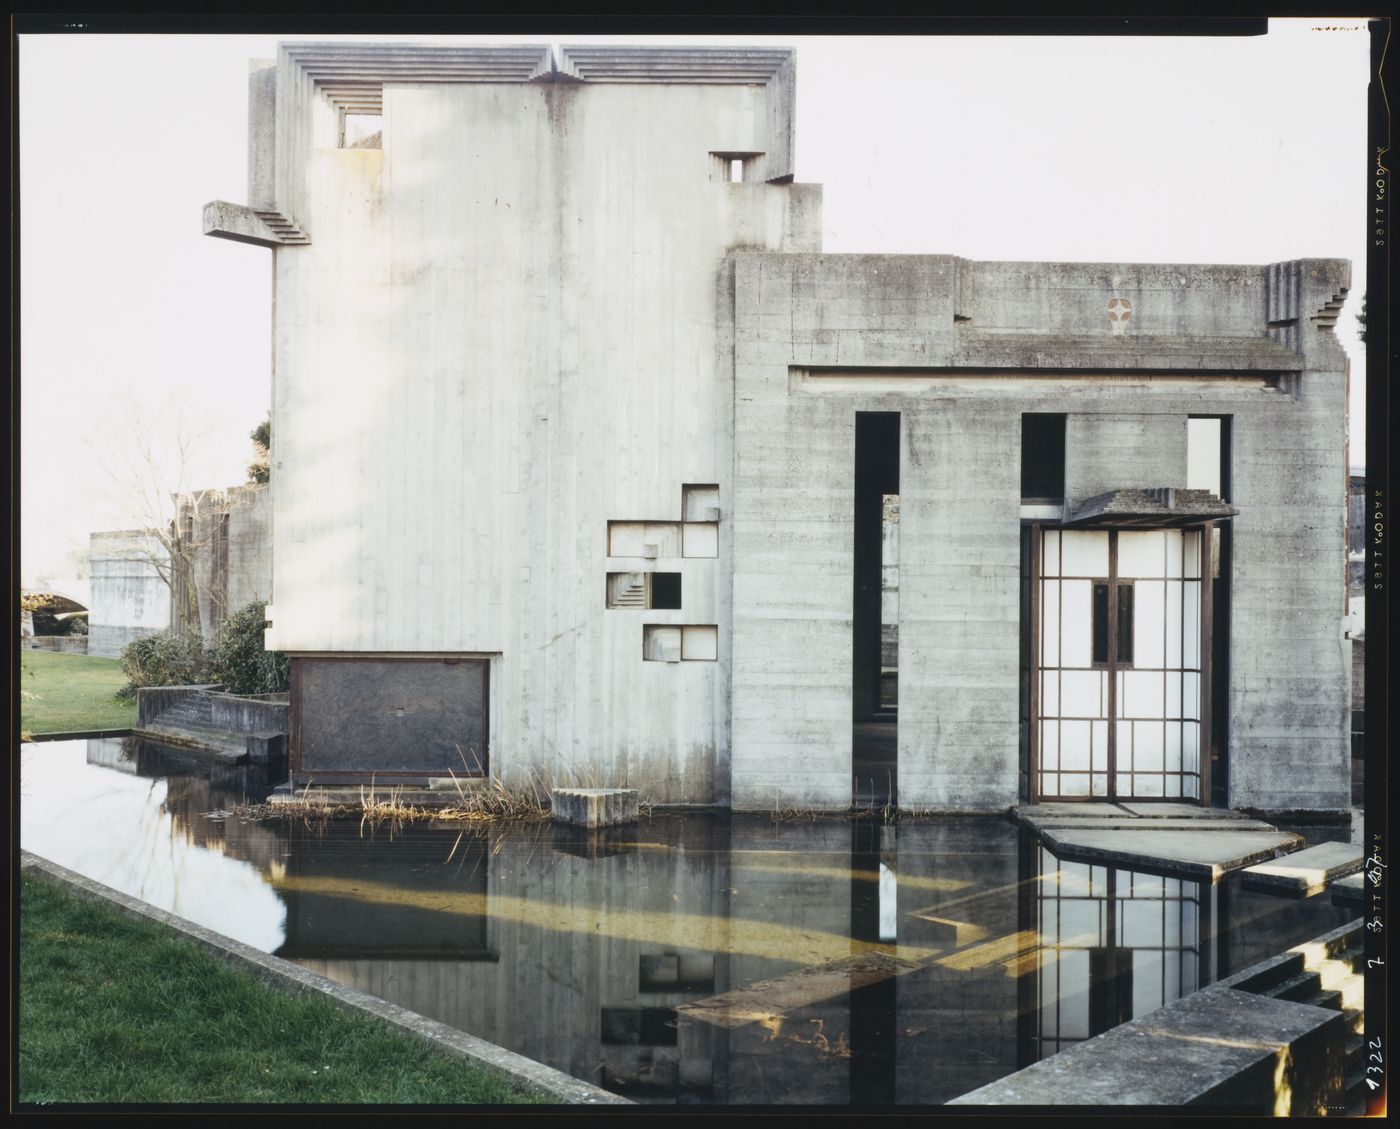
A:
[1119,705]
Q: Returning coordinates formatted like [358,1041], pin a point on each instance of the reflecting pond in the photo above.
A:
[691,958]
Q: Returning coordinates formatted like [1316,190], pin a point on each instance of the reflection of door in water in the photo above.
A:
[1117,681]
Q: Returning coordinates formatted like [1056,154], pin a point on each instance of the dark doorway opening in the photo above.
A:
[875,608]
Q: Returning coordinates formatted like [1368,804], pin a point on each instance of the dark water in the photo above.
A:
[690,958]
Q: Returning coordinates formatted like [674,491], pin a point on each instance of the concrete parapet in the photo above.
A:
[1217,1047]
[67,644]
[594,807]
[239,728]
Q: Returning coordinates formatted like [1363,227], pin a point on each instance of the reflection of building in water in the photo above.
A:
[1115,944]
[688,958]
[198,795]
[338,905]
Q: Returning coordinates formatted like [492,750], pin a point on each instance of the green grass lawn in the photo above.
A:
[117,1010]
[71,693]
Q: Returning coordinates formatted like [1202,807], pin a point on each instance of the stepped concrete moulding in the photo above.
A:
[594,807]
[981,533]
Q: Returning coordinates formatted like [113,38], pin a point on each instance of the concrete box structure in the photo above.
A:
[230,552]
[137,589]
[588,447]
[130,597]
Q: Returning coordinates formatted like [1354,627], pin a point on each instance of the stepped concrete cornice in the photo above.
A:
[352,75]
[708,66]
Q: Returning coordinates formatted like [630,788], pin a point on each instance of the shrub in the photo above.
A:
[240,659]
[167,658]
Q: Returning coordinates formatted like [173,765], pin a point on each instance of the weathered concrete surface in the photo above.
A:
[961,350]
[1307,871]
[1177,811]
[1178,838]
[1217,1047]
[129,597]
[553,401]
[594,807]
[230,531]
[1199,853]
[523,1073]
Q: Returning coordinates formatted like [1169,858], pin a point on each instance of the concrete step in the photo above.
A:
[1329,998]
[1271,977]
[1305,872]
[1298,988]
[231,748]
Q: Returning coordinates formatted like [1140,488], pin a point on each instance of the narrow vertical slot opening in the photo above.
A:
[875,607]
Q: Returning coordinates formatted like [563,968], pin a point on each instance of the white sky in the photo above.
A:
[1176,149]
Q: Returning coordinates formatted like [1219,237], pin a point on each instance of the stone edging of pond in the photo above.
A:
[523,1073]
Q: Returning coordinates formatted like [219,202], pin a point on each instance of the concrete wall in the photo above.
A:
[129,597]
[501,337]
[69,644]
[961,354]
[230,534]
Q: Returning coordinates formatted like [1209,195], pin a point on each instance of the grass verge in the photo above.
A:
[63,693]
[116,1010]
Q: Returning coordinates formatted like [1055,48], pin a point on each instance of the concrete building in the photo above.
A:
[225,536]
[586,453]
[130,597]
[222,561]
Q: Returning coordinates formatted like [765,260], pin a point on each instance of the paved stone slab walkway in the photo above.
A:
[1306,872]
[1176,838]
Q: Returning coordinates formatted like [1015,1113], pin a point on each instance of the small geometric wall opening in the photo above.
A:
[665,590]
[700,643]
[670,643]
[658,540]
[646,539]
[733,167]
[361,131]
[699,502]
[700,539]
[644,590]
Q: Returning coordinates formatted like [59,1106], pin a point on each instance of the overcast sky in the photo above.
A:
[1179,149]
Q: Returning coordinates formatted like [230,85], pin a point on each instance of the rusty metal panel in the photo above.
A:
[412,716]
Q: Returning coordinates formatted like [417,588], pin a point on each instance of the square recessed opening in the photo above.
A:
[665,590]
[361,131]
[700,643]
[661,643]
[700,502]
[733,167]
[646,539]
[644,590]
[700,539]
